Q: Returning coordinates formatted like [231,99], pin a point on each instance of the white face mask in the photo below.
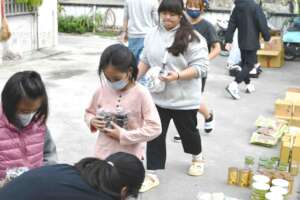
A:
[25,119]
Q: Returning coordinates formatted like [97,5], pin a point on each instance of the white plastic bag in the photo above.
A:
[154,84]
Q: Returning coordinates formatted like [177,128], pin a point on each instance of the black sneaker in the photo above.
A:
[177,139]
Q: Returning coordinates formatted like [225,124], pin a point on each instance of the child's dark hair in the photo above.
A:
[22,85]
[120,57]
[113,174]
[185,34]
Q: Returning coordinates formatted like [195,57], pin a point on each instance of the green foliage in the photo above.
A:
[81,24]
[21,1]
[31,3]
[35,3]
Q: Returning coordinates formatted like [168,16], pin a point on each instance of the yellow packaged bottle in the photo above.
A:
[244,176]
[233,174]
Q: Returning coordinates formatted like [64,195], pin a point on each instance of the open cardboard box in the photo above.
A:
[271,55]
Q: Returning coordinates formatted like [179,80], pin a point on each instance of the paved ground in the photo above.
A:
[71,78]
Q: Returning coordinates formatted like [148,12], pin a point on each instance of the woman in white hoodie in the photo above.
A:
[181,54]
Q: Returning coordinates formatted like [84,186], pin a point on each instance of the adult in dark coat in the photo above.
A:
[118,177]
[249,19]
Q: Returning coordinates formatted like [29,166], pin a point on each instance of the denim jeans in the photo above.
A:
[136,46]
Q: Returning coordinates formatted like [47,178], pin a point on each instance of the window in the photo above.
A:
[13,8]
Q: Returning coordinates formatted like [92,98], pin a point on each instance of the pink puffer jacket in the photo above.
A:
[19,148]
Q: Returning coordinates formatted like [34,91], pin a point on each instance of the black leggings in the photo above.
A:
[186,125]
[249,59]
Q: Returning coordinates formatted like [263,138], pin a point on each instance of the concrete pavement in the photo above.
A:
[70,74]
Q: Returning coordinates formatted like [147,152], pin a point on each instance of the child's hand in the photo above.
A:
[114,132]
[172,76]
[98,123]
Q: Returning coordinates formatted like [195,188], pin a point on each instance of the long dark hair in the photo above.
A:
[185,34]
[113,174]
[26,84]
[120,57]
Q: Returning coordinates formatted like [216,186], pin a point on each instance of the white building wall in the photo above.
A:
[47,21]
[31,32]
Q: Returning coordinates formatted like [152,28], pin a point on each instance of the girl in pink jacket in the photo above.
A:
[24,138]
[121,109]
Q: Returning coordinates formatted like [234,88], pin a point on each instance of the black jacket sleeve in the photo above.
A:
[262,23]
[231,26]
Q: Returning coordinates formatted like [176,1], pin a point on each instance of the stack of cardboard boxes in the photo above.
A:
[289,108]
[290,152]
[271,55]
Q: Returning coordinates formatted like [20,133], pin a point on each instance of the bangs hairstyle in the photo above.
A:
[24,85]
[185,33]
[121,58]
[174,6]
[195,4]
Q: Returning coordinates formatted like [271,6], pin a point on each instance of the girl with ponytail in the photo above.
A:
[182,55]
[121,111]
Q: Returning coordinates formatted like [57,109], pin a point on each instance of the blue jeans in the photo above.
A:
[136,46]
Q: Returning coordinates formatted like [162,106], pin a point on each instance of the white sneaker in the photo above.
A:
[253,71]
[196,168]
[250,88]
[151,181]
[233,90]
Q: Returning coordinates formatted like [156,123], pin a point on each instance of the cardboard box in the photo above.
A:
[283,109]
[296,153]
[285,152]
[293,94]
[271,55]
[286,138]
[297,141]
[296,111]
[295,121]
[289,109]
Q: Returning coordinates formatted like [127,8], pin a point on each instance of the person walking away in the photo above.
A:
[250,21]
[140,16]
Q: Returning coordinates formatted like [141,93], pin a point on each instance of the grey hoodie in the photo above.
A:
[182,94]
